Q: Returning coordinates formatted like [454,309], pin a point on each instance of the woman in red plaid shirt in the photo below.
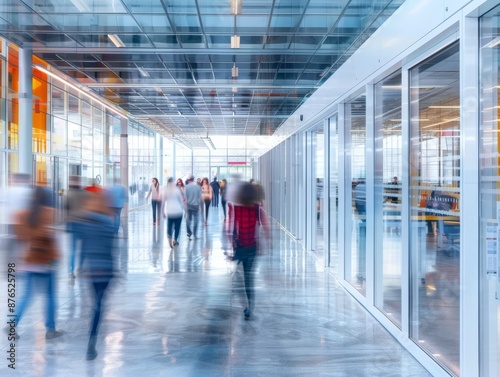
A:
[244,216]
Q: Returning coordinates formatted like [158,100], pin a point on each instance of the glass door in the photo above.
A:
[318,136]
[490,195]
[388,197]
[435,206]
[355,255]
[60,183]
[333,176]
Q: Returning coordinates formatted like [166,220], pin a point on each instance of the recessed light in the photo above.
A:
[116,40]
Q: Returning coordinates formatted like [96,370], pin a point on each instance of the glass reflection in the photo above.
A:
[434,206]
[489,193]
[334,195]
[319,143]
[388,196]
[355,261]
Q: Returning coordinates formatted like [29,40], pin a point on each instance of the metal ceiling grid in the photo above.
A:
[177,69]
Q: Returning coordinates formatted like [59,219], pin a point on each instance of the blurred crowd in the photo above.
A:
[91,215]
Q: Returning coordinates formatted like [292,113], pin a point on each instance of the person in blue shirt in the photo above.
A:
[97,229]
[117,199]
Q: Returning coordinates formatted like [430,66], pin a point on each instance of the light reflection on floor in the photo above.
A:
[179,312]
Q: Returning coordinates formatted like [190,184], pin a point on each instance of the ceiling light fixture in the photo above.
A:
[116,40]
[60,79]
[143,72]
[208,142]
[235,41]
[443,107]
[392,87]
[235,6]
[234,71]
[443,122]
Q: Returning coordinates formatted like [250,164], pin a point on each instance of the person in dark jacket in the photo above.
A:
[97,229]
[215,188]
[223,190]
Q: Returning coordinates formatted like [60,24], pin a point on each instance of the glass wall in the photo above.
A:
[41,125]
[388,196]
[142,162]
[201,163]
[169,169]
[355,144]
[490,194]
[13,101]
[333,176]
[184,160]
[434,206]
[66,129]
[318,139]
[424,252]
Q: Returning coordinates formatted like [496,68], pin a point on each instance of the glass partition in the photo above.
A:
[388,197]
[435,206]
[184,160]
[334,195]
[12,126]
[59,136]
[74,140]
[201,163]
[319,178]
[40,121]
[355,255]
[490,194]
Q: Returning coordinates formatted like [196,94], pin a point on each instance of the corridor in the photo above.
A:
[179,313]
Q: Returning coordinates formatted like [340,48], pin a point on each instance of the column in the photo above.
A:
[25,112]
[124,170]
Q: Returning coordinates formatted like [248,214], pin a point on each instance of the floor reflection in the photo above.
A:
[180,310]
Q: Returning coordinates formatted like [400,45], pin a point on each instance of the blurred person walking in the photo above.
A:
[223,199]
[74,200]
[206,194]
[98,267]
[245,217]
[94,186]
[194,204]
[35,229]
[173,207]
[215,192]
[180,184]
[155,193]
[117,199]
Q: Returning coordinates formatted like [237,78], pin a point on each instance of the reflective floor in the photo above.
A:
[180,313]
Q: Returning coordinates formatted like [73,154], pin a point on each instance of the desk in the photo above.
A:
[451,230]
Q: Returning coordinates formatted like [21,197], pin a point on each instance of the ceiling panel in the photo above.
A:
[176,69]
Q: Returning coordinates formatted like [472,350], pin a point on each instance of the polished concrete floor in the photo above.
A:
[179,313]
